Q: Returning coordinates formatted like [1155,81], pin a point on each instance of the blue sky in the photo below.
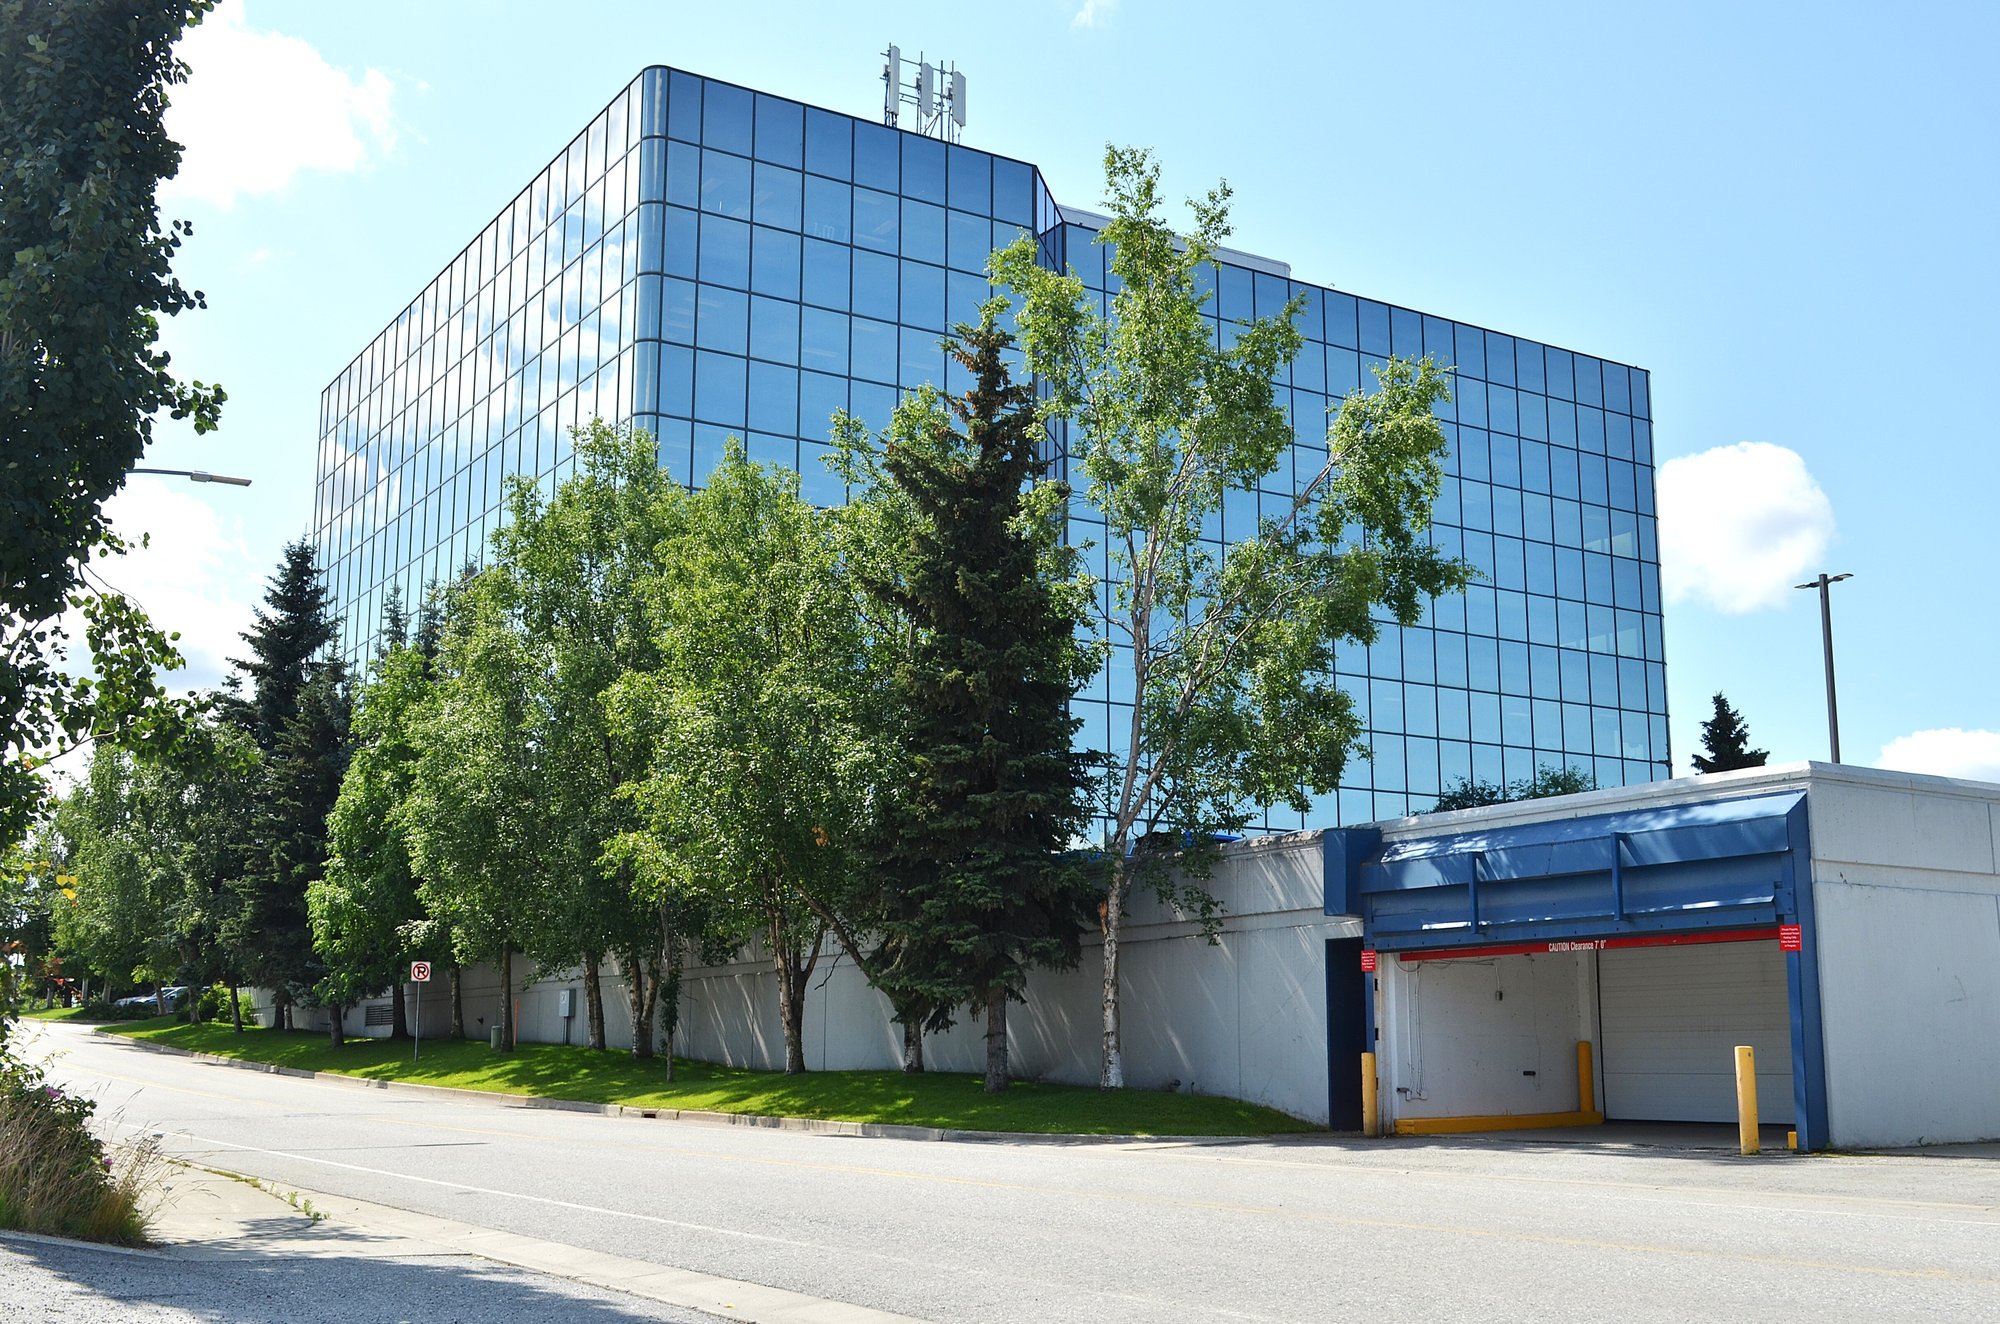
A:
[1784,211]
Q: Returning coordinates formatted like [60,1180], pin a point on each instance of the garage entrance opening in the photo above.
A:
[1639,1028]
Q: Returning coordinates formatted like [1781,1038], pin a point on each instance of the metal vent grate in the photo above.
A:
[379,1013]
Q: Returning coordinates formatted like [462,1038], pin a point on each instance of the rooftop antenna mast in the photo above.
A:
[934,92]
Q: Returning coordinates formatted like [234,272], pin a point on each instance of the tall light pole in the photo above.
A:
[198,475]
[1826,647]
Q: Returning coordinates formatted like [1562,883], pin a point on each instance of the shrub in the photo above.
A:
[56,1176]
[214,1004]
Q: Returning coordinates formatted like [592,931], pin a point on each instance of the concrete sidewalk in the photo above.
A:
[234,1250]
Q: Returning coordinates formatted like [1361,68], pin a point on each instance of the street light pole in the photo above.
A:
[1826,648]
[198,475]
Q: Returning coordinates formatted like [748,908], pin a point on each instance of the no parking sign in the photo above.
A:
[420,972]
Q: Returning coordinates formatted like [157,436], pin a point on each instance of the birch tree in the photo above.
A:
[1228,651]
[754,798]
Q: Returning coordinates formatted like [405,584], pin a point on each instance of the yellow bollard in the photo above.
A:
[1371,1104]
[1586,1080]
[1746,1098]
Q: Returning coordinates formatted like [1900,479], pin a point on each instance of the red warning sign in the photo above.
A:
[1367,960]
[1790,939]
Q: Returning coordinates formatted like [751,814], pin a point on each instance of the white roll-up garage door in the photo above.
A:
[1671,1018]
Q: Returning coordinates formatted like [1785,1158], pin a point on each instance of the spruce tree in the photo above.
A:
[295,714]
[1727,741]
[974,851]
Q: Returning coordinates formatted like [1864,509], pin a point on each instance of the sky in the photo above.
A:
[1783,211]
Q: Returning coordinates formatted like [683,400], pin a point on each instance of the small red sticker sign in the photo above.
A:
[1789,938]
[420,972]
[1367,961]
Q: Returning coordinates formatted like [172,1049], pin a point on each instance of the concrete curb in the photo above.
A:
[700,1117]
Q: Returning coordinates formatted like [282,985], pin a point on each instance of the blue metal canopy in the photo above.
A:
[1673,868]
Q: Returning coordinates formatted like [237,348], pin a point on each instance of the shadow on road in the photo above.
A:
[252,1284]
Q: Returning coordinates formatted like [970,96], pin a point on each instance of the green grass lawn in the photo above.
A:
[553,1071]
[54,1014]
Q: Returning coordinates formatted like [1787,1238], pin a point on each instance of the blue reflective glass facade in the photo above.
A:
[707,260]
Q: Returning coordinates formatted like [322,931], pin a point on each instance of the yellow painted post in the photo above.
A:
[1586,1078]
[1746,1098]
[1371,1104]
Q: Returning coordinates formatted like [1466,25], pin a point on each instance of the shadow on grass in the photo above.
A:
[555,1071]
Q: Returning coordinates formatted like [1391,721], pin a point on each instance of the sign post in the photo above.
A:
[420,974]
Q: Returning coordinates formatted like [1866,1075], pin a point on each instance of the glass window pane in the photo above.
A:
[923,168]
[774,263]
[825,274]
[875,220]
[923,231]
[875,156]
[725,184]
[874,349]
[725,252]
[780,131]
[971,180]
[774,330]
[875,285]
[828,210]
[923,297]
[725,118]
[718,388]
[829,144]
[774,398]
[776,196]
[823,340]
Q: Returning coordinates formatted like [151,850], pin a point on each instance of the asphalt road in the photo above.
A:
[44,1282]
[1314,1229]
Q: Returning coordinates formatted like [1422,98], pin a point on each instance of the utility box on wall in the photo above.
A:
[566,1002]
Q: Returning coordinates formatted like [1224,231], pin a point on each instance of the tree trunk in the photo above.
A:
[642,991]
[399,1011]
[506,998]
[336,1031]
[593,999]
[670,992]
[457,1003]
[913,1045]
[792,1012]
[794,966]
[996,1039]
[236,1008]
[1113,1075]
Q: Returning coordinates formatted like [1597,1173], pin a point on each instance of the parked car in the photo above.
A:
[173,995]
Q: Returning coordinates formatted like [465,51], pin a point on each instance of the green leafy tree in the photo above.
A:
[363,911]
[85,276]
[754,798]
[1470,793]
[574,572]
[1227,651]
[1727,741]
[118,846]
[972,851]
[471,814]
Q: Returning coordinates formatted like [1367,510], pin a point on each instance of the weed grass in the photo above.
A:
[554,1071]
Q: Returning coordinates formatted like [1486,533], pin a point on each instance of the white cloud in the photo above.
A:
[259,107]
[190,577]
[1739,525]
[1094,14]
[1946,752]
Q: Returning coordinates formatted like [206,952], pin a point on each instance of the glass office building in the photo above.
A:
[705,260]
